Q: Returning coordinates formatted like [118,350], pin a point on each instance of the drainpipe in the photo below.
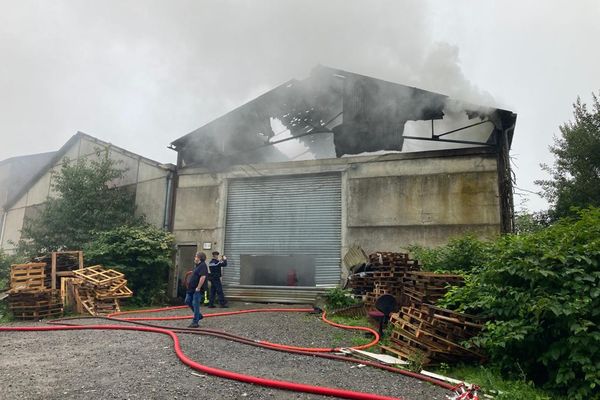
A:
[168,221]
[168,197]
[2,227]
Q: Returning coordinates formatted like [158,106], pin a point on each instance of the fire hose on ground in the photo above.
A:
[62,324]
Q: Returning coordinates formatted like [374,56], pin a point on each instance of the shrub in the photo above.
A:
[541,292]
[338,298]
[143,253]
[461,255]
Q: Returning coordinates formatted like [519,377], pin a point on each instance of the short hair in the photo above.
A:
[215,253]
[201,255]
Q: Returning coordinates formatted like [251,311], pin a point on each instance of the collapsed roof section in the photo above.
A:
[334,113]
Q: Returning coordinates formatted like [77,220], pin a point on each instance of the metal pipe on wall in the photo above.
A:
[2,227]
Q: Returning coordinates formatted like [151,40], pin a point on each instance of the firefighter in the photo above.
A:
[214,277]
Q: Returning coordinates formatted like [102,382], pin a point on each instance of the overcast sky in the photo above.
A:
[142,73]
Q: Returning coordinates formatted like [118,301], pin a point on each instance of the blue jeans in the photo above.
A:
[193,301]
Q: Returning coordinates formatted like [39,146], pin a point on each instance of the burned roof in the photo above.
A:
[331,113]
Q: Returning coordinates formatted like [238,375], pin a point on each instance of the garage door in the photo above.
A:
[284,231]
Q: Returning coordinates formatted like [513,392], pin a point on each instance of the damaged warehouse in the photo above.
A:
[285,184]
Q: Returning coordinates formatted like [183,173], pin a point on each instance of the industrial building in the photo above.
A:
[285,184]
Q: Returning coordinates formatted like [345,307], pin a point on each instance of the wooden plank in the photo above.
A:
[121,292]
[384,358]
[53,272]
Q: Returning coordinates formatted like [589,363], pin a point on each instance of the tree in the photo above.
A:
[528,222]
[575,174]
[88,200]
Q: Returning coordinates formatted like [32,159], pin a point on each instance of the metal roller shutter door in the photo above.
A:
[282,216]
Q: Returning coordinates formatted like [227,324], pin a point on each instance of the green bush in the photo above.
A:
[541,291]
[461,255]
[143,253]
[6,260]
[338,298]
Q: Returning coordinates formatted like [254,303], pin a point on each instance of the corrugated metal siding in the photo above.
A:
[282,216]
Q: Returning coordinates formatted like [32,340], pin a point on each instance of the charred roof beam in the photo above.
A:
[438,138]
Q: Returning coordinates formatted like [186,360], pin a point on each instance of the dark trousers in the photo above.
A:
[216,289]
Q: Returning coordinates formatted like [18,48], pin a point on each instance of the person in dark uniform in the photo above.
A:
[216,288]
[196,286]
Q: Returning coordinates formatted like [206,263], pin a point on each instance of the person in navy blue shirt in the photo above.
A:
[214,277]
[196,286]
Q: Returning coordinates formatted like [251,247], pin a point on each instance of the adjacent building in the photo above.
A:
[25,193]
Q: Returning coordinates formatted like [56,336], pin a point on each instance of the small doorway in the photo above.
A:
[185,262]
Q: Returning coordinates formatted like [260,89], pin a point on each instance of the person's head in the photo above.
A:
[200,256]
[215,254]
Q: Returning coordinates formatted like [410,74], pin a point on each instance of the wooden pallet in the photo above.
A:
[425,279]
[408,354]
[451,316]
[355,310]
[120,293]
[459,327]
[422,329]
[27,277]
[35,305]
[99,276]
[88,304]
[37,314]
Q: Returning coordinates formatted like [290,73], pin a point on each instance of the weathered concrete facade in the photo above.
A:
[150,180]
[388,202]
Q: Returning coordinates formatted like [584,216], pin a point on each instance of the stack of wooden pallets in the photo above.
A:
[432,335]
[422,332]
[389,259]
[96,290]
[427,287]
[28,297]
[384,276]
[60,264]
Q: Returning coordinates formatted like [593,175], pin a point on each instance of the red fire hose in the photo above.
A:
[285,385]
[269,310]
[240,339]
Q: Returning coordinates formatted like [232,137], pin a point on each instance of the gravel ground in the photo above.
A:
[137,365]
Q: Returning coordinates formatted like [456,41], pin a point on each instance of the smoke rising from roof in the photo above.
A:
[157,70]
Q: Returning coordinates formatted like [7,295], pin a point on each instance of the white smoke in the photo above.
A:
[142,73]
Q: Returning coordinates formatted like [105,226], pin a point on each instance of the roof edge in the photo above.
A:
[62,151]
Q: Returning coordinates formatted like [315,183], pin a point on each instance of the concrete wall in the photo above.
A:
[391,205]
[5,170]
[198,206]
[388,202]
[147,178]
